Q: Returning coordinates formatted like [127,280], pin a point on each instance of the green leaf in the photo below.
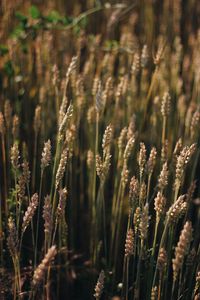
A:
[67,20]
[34,12]
[83,22]
[21,17]
[53,17]
[8,68]
[3,50]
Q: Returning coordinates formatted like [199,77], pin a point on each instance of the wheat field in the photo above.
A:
[100,150]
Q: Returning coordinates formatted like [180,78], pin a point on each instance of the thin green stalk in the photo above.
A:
[114,218]
[38,218]
[164,129]
[104,222]
[118,226]
[94,180]
[34,161]
[161,245]
[137,282]
[5,176]
[148,187]
[152,258]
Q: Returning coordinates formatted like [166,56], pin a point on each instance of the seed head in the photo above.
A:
[15,127]
[40,271]
[47,215]
[177,210]
[30,212]
[142,158]
[182,161]
[136,219]
[107,139]
[2,124]
[133,190]
[144,57]
[159,205]
[144,222]
[61,167]
[163,177]
[61,203]
[182,248]
[165,106]
[151,161]
[162,260]
[46,155]
[15,156]
[129,245]
[135,68]
[37,119]
[26,172]
[99,286]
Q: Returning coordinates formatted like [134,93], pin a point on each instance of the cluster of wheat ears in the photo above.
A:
[100,159]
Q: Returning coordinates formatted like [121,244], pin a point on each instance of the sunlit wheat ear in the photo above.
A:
[37,119]
[151,161]
[30,212]
[163,177]
[165,106]
[102,166]
[136,219]
[15,156]
[182,161]
[63,124]
[129,148]
[142,159]
[135,68]
[61,167]
[12,239]
[159,205]
[99,286]
[144,56]
[176,210]
[47,215]
[144,222]
[129,244]
[46,155]
[133,191]
[26,172]
[41,270]
[165,151]
[124,175]
[15,127]
[61,204]
[2,124]
[182,248]
[8,114]
[162,259]
[107,139]
[154,293]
